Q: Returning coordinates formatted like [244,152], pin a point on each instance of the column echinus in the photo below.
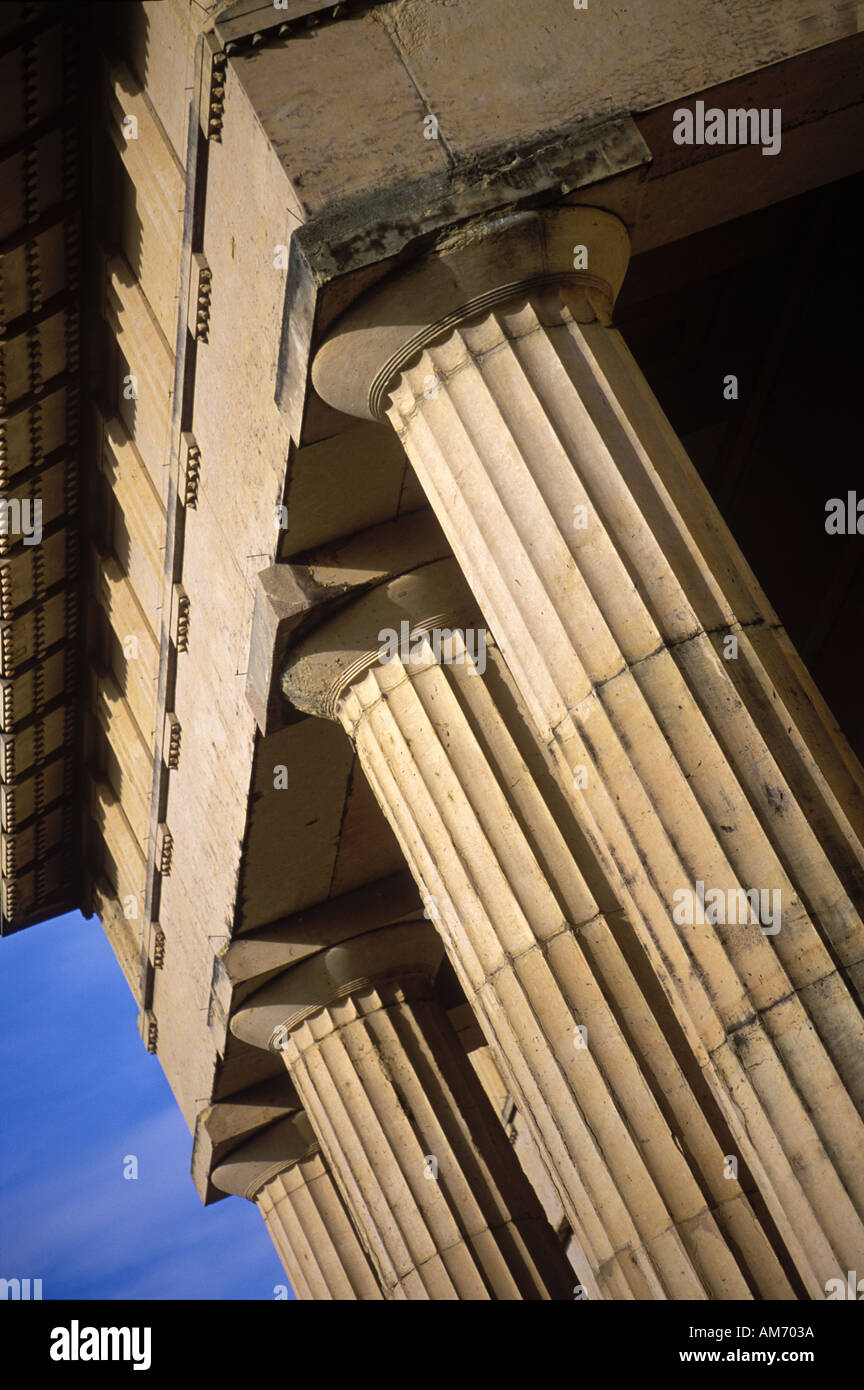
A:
[619,1122]
[428,1178]
[284,1173]
[700,761]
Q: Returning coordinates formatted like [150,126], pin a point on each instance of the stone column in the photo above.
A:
[698,758]
[519,922]
[423,1165]
[283,1171]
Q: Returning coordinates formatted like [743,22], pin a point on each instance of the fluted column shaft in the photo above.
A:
[313,1234]
[422,1162]
[516,915]
[284,1172]
[692,764]
[695,768]
[639,1214]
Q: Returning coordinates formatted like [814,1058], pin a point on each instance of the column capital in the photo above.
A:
[432,598]
[392,954]
[581,251]
[247,1168]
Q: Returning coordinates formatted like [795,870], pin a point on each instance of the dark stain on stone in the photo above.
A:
[776,799]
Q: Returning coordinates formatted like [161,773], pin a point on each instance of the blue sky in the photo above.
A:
[79,1092]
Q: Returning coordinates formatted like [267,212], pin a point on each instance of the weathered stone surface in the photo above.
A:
[613,588]
[282,1170]
[425,1170]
